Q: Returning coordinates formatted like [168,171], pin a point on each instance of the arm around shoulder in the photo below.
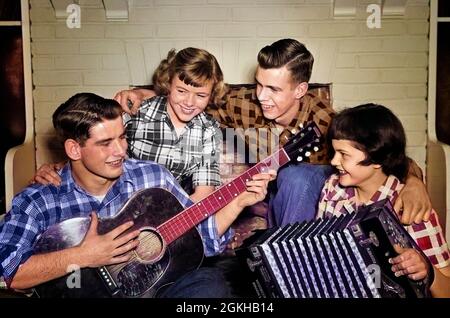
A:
[413,203]
[131,99]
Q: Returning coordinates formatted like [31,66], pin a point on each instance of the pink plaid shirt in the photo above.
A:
[337,200]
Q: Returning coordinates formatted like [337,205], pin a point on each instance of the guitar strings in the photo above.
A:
[152,241]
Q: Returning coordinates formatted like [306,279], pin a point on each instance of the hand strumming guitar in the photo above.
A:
[111,248]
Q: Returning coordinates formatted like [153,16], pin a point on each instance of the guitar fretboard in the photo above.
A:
[190,217]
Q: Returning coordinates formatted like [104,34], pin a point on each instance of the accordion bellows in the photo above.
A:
[337,257]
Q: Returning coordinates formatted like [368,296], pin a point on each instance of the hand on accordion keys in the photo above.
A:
[412,263]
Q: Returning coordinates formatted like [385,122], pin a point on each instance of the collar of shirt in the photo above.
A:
[299,120]
[68,183]
[347,195]
[303,116]
[154,109]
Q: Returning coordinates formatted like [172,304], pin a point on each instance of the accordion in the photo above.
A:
[337,257]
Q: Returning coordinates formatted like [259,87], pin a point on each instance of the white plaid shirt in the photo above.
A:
[336,200]
[152,136]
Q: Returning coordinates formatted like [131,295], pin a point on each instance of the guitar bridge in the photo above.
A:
[108,281]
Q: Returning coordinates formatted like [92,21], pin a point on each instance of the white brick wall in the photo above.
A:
[387,65]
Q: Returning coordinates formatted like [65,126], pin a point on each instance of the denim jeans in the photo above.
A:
[204,282]
[298,192]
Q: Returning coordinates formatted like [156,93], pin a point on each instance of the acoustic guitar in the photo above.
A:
[169,246]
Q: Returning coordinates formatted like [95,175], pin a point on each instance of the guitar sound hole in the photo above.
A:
[150,246]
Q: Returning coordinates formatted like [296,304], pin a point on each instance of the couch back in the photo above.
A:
[248,91]
[233,165]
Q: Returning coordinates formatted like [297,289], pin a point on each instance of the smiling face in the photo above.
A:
[186,101]
[278,95]
[347,160]
[99,160]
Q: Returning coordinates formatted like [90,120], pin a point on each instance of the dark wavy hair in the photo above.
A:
[290,53]
[377,132]
[74,118]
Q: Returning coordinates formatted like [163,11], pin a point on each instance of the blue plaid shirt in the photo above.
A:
[39,206]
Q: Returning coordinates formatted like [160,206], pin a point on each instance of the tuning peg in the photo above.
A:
[307,154]
[301,125]
[316,148]
[300,150]
[299,158]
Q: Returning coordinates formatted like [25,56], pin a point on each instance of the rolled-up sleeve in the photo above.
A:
[212,242]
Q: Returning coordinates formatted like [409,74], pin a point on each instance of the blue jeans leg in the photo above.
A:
[298,192]
[205,282]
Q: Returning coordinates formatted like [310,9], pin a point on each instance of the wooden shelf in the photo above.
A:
[115,10]
[10,23]
[347,8]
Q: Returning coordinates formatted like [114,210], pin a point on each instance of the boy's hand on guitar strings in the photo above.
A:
[110,248]
[256,189]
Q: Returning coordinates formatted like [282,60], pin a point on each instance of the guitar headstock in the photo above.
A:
[304,143]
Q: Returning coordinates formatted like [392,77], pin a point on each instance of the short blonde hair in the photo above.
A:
[194,67]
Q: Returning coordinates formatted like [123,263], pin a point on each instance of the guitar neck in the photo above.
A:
[190,217]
